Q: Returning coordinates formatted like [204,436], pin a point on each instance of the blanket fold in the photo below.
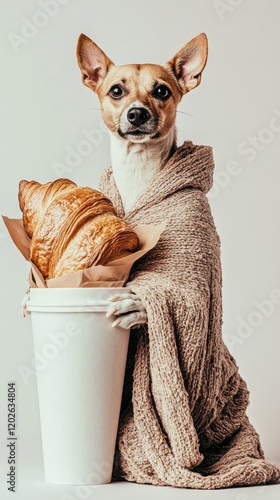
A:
[184,417]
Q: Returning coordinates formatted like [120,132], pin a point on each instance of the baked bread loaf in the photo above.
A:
[71,227]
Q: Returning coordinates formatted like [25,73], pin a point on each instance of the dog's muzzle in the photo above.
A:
[138,122]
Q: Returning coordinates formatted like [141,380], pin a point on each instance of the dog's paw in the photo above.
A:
[129,308]
[24,311]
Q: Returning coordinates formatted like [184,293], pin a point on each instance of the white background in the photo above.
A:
[45,116]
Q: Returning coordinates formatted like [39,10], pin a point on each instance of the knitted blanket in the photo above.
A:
[183,421]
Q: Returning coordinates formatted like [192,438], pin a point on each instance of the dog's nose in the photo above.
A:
[138,116]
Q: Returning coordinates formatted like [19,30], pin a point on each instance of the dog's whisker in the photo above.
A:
[90,109]
[185,113]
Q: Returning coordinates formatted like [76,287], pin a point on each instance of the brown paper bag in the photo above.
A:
[113,274]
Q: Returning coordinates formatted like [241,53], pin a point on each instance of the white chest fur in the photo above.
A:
[135,164]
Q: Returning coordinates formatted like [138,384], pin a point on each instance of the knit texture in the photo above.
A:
[183,420]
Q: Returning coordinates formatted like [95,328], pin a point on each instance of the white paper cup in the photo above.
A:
[80,363]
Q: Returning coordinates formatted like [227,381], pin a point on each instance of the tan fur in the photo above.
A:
[138,82]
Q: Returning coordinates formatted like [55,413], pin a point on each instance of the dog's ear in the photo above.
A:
[94,64]
[188,64]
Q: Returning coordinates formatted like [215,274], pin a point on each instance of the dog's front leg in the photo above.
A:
[129,309]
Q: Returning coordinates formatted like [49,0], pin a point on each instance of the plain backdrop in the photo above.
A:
[51,127]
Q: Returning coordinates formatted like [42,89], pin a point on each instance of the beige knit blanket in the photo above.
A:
[183,420]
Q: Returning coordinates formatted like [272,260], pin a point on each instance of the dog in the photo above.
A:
[138,105]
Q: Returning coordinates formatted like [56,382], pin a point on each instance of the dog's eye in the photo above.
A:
[162,92]
[116,92]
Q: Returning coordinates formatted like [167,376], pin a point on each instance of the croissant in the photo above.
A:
[71,228]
